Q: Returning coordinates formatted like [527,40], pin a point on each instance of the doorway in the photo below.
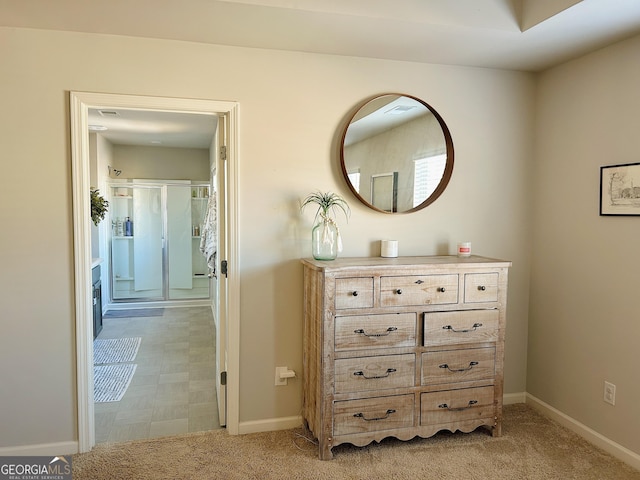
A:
[227,334]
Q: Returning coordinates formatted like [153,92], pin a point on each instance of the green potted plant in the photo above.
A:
[99,206]
[325,235]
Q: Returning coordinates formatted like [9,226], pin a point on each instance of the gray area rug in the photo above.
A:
[134,312]
[115,350]
[110,382]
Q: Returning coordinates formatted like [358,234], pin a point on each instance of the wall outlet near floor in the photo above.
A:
[609,393]
[282,375]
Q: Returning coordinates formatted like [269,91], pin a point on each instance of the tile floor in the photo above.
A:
[173,390]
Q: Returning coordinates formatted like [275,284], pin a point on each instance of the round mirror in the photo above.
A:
[396,154]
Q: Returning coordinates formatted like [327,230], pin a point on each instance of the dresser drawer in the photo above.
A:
[374,373]
[418,290]
[359,332]
[372,414]
[470,326]
[452,366]
[354,293]
[480,287]
[456,405]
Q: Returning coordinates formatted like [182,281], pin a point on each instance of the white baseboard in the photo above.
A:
[42,449]
[270,425]
[511,398]
[609,446]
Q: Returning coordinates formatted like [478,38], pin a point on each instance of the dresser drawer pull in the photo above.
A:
[387,332]
[389,371]
[441,289]
[387,413]
[355,293]
[449,327]
[469,405]
[482,288]
[419,282]
[471,365]
[399,291]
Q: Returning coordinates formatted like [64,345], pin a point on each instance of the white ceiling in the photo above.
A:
[529,35]
[510,34]
[154,128]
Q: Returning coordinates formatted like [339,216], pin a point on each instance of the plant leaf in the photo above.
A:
[327,202]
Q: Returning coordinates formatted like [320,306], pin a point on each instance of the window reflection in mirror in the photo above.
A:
[397,154]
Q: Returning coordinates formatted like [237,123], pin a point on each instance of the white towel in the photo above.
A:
[209,234]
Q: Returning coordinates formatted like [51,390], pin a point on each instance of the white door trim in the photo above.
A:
[80,103]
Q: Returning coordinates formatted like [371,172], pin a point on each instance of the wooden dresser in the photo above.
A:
[402,347]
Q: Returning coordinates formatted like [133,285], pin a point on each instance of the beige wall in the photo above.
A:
[584,322]
[292,109]
[161,162]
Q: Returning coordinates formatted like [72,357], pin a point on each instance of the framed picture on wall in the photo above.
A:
[620,189]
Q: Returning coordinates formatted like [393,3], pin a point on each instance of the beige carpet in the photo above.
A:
[532,447]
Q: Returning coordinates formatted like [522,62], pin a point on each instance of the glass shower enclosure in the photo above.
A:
[155,241]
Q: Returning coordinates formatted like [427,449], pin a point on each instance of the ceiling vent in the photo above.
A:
[400,109]
[109,113]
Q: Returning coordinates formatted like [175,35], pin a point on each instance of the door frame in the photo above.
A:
[80,103]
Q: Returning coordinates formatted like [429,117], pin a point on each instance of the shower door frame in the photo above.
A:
[165,298]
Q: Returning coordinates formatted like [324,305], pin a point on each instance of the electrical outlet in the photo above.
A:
[280,381]
[609,393]
[282,375]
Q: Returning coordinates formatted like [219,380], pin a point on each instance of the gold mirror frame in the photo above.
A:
[422,135]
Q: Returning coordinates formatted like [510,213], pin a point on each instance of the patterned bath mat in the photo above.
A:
[110,382]
[115,350]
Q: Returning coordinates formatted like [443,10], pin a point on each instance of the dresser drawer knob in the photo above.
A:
[386,332]
[399,291]
[441,289]
[387,413]
[471,365]
[449,327]
[355,293]
[419,282]
[360,373]
[482,288]
[469,405]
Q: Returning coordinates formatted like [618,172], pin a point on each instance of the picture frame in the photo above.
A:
[620,190]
